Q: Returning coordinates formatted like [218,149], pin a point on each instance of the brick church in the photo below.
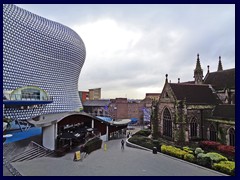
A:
[203,109]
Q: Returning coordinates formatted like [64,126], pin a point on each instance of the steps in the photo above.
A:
[9,149]
[33,151]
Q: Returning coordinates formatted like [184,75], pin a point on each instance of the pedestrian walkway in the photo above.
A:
[112,162]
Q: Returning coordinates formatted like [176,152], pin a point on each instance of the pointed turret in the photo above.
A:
[166,80]
[220,68]
[198,72]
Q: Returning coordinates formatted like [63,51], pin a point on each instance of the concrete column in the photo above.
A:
[106,133]
[55,134]
[48,136]
[92,125]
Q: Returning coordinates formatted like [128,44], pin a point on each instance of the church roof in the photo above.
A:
[221,79]
[224,111]
[194,94]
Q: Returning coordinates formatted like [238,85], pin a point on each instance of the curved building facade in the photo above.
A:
[41,53]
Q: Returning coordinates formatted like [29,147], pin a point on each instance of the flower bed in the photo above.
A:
[227,167]
[228,150]
[209,145]
[144,132]
[173,151]
[142,141]
[188,149]
[190,158]
[210,160]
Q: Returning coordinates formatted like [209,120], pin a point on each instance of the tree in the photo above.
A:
[154,119]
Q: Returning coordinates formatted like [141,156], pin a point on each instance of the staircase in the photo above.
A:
[33,151]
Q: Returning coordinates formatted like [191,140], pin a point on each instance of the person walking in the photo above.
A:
[122,143]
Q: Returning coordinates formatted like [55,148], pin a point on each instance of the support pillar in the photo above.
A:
[106,133]
[92,125]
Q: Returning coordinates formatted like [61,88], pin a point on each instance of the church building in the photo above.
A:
[203,109]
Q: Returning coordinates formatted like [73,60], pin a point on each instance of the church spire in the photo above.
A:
[220,68]
[198,72]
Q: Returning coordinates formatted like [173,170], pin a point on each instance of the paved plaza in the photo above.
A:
[112,162]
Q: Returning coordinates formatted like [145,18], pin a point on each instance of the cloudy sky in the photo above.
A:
[130,48]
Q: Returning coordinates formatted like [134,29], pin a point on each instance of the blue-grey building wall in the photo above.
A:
[43,53]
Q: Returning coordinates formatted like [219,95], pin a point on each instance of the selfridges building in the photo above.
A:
[42,61]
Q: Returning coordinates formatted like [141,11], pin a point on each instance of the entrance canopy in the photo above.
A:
[72,117]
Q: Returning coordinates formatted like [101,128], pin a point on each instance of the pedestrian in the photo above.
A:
[122,142]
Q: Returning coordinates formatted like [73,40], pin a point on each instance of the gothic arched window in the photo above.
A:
[167,123]
[193,128]
[213,133]
[231,137]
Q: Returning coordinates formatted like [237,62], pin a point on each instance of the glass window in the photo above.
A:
[193,128]
[31,93]
[167,123]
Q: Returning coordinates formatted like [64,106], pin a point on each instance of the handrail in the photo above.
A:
[32,143]
[14,97]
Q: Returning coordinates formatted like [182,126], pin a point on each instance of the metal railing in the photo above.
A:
[10,168]
[20,97]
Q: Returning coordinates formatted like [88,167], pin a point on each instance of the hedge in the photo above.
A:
[227,167]
[142,141]
[227,150]
[188,149]
[215,157]
[203,160]
[209,158]
[189,157]
[198,150]
[144,132]
[173,151]
[92,145]
[209,145]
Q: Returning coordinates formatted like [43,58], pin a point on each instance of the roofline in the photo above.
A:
[45,124]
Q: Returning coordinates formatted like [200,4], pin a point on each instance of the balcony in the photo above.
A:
[27,100]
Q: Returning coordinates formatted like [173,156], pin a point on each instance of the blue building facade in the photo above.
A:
[41,53]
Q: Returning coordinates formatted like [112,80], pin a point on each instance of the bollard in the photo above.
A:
[105,147]
[154,150]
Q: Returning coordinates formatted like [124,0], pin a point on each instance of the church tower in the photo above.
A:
[198,72]
[220,68]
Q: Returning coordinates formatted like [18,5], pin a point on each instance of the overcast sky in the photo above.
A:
[130,48]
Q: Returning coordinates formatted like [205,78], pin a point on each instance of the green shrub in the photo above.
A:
[188,149]
[144,132]
[209,145]
[142,141]
[198,150]
[189,157]
[163,148]
[203,160]
[227,167]
[92,145]
[215,157]
[209,158]
[173,151]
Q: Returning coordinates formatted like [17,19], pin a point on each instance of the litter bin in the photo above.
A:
[154,150]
